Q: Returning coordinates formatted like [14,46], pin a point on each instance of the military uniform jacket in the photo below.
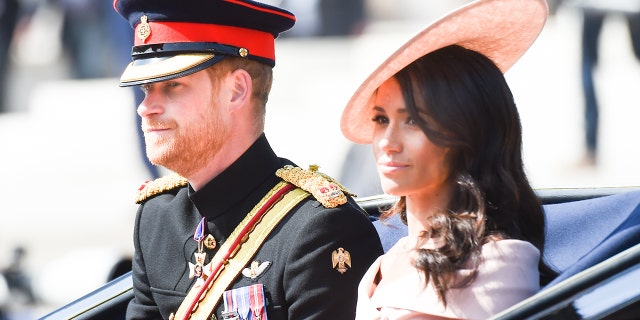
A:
[300,282]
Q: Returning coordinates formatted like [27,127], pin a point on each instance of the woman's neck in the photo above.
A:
[420,207]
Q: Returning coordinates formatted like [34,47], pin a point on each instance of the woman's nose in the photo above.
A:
[389,141]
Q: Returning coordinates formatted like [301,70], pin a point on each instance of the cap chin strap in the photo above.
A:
[171,49]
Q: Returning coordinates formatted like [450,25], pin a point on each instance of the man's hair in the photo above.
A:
[261,76]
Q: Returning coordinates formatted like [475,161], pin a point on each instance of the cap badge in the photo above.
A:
[144,30]
[341,259]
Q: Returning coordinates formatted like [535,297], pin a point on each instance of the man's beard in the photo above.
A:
[191,147]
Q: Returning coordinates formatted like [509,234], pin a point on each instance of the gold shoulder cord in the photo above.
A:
[240,258]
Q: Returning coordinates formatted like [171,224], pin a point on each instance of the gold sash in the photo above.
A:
[239,248]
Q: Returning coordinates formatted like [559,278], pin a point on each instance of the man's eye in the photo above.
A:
[173,84]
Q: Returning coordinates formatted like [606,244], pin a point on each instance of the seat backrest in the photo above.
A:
[390,231]
[583,233]
[579,234]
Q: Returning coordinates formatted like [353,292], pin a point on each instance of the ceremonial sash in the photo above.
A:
[239,248]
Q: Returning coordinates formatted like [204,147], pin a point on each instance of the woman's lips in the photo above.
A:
[391,166]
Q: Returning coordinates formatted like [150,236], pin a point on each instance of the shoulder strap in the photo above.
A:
[325,189]
[239,248]
[151,188]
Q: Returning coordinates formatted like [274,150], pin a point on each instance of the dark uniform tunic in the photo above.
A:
[300,283]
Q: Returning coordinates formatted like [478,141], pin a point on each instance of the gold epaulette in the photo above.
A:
[325,189]
[158,186]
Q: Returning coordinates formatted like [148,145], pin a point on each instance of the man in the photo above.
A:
[239,231]
[9,10]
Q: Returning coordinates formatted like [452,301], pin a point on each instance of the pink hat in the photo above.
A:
[502,30]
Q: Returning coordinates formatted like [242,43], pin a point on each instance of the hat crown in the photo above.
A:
[502,30]
[237,13]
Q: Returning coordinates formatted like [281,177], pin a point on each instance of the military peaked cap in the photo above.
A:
[175,38]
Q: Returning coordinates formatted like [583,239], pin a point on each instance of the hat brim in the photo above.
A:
[149,70]
[502,30]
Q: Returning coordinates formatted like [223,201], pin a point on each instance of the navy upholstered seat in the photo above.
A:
[390,231]
[583,233]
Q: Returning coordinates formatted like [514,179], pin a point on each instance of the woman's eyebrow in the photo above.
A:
[380,109]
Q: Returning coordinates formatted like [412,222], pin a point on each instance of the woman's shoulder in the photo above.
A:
[511,259]
[510,248]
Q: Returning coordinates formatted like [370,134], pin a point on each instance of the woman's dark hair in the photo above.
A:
[461,100]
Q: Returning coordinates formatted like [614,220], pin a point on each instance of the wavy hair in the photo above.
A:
[461,100]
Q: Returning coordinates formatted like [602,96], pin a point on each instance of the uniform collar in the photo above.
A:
[234,184]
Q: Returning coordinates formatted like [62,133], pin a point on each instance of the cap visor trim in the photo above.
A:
[139,71]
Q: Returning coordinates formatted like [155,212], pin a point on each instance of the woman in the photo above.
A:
[446,136]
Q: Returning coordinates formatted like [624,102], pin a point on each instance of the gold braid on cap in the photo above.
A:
[325,189]
[158,186]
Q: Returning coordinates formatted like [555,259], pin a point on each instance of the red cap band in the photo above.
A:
[258,43]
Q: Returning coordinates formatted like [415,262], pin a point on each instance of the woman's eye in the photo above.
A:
[380,119]
[410,121]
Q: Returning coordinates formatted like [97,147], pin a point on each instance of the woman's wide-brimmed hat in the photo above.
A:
[502,30]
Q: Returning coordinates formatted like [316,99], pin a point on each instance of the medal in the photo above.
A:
[210,242]
[199,270]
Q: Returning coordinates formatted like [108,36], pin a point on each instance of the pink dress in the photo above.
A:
[508,274]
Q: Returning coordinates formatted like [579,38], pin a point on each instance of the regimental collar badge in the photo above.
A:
[341,259]
[256,269]
[144,29]
[325,189]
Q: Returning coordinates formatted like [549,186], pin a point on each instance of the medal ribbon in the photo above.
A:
[199,234]
[258,311]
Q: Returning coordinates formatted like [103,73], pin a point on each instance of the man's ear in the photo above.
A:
[241,88]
